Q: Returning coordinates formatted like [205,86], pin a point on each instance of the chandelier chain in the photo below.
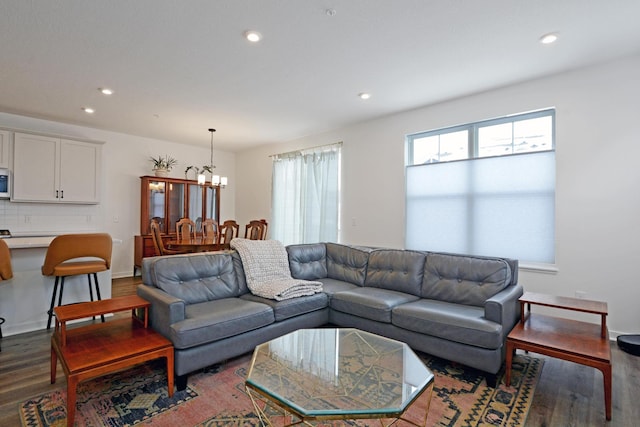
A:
[211,164]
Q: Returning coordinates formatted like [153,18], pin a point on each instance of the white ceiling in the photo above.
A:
[180,67]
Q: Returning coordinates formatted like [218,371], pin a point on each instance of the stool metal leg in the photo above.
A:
[53,301]
[95,282]
[61,290]
[90,290]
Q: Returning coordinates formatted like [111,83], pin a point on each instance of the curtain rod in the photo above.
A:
[294,152]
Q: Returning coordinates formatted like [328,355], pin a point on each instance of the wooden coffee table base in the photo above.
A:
[91,351]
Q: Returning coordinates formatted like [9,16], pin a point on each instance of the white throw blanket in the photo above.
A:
[266,267]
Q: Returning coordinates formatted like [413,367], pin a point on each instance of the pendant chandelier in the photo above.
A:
[216,180]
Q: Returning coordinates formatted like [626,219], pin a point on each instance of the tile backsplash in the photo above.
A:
[48,218]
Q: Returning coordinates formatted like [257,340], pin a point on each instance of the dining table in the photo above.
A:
[197,244]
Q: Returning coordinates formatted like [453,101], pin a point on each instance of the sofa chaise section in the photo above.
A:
[457,307]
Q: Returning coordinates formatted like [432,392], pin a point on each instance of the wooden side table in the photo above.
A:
[91,351]
[575,341]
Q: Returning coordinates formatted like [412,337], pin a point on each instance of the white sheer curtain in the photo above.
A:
[306,195]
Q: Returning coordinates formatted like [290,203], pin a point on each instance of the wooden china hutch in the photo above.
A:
[167,200]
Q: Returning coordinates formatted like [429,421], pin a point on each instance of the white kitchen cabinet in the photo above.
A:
[57,170]
[4,148]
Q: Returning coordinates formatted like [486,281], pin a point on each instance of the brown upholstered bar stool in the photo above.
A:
[6,272]
[59,261]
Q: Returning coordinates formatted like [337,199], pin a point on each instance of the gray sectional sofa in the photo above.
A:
[456,307]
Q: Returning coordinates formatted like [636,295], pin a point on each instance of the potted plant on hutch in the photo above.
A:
[162,165]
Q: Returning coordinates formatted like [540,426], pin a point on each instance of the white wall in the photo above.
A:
[597,197]
[125,159]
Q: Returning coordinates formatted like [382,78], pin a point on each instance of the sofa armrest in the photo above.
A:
[165,309]
[504,308]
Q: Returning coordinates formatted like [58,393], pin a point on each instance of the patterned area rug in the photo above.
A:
[216,397]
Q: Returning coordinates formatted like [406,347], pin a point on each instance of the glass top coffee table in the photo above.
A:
[336,374]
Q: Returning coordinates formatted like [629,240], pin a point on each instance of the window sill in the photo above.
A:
[538,267]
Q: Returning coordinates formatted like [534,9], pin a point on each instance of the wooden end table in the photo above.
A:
[580,342]
[91,351]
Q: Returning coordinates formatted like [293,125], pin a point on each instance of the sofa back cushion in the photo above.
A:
[308,261]
[193,278]
[397,270]
[347,263]
[464,279]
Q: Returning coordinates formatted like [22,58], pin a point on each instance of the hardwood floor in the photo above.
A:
[567,394]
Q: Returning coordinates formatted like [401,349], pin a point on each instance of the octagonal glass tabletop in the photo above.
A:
[338,372]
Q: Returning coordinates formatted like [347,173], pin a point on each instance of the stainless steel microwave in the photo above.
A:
[5,183]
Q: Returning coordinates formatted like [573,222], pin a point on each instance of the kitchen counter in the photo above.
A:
[21,242]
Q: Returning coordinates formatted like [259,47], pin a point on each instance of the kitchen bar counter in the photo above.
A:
[21,242]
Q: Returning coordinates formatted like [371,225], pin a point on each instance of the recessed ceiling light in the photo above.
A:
[549,38]
[252,36]
[106,91]
[88,110]
[364,95]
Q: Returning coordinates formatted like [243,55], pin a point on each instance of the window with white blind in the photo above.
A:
[306,195]
[485,188]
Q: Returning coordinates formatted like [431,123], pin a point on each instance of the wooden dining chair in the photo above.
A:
[159,244]
[256,230]
[210,229]
[266,226]
[186,229]
[159,220]
[228,230]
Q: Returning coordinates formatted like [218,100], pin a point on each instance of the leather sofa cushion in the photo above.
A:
[396,270]
[292,307]
[215,320]
[195,278]
[454,322]
[331,286]
[370,303]
[464,279]
[347,263]
[308,261]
